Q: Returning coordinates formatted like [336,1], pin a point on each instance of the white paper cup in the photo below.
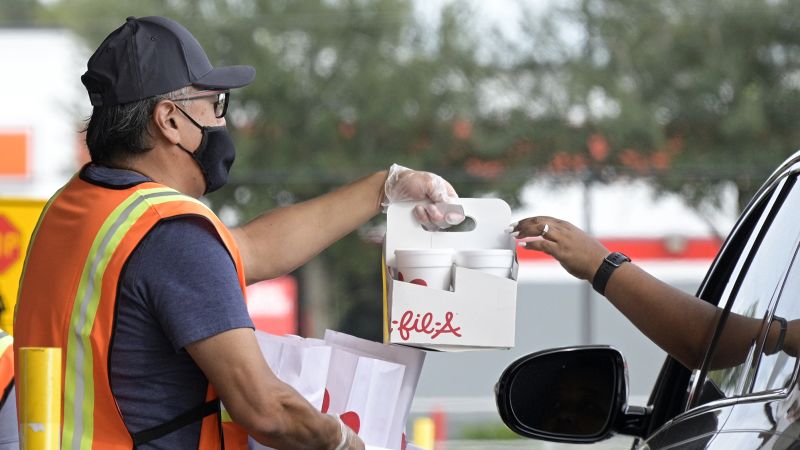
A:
[493,261]
[432,267]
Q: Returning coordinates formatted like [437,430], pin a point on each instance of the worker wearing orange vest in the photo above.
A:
[9,436]
[141,285]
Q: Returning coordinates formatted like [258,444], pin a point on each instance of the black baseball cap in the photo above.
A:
[151,56]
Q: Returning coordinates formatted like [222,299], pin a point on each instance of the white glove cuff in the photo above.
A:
[391,179]
[343,429]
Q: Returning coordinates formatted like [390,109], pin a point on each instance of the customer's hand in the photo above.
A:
[579,253]
[404,184]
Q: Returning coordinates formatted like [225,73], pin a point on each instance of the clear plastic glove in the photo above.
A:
[404,184]
[350,440]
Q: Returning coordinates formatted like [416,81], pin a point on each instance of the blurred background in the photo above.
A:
[650,124]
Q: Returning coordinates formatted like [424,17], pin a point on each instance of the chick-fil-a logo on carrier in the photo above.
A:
[424,323]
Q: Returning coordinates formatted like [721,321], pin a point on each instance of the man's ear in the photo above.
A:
[164,124]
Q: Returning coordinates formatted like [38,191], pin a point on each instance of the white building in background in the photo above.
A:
[667,236]
[43,105]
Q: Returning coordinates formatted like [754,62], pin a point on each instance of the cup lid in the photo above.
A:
[424,257]
[485,258]
[424,251]
[487,252]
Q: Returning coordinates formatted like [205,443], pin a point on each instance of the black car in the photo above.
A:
[579,394]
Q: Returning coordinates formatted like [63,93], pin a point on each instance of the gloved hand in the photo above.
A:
[404,184]
[349,440]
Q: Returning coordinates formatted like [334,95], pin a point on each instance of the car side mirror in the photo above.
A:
[574,394]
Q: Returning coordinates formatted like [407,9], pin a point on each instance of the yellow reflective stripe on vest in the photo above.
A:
[78,429]
[224,414]
[5,341]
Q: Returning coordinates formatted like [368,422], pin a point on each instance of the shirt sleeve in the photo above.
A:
[187,280]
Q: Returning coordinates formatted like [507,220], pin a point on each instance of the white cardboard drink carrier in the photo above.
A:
[479,313]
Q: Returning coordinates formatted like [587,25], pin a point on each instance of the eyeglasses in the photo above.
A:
[220,106]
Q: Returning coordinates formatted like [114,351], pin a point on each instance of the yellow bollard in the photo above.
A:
[40,398]
[424,433]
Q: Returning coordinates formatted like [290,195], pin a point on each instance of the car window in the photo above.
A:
[779,355]
[763,264]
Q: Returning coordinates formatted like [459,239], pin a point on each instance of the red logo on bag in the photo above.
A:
[423,323]
[351,419]
[326,401]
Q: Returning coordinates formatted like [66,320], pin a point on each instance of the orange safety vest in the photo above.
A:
[67,298]
[6,365]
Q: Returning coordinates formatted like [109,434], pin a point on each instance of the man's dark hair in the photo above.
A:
[117,133]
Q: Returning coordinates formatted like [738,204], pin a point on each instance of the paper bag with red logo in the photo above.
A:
[271,348]
[376,387]
[478,308]
[340,380]
[305,368]
[301,363]
[381,386]
[290,360]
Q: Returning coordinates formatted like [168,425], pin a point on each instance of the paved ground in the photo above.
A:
[617,443]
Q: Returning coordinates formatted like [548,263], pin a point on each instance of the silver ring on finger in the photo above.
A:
[545,229]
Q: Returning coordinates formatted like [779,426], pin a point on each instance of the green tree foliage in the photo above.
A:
[19,13]
[692,93]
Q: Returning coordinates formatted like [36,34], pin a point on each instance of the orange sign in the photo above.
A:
[13,154]
[10,241]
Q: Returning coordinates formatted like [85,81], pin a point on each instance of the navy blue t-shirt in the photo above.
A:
[179,286]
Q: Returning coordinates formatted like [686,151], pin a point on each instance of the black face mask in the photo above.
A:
[214,155]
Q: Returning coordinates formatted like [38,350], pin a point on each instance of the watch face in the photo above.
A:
[617,258]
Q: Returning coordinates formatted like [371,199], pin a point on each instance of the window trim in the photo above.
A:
[674,378]
[744,259]
[765,329]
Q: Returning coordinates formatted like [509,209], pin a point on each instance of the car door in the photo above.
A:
[768,416]
[746,281]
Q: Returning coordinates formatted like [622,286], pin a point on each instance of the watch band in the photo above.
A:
[609,265]
[781,334]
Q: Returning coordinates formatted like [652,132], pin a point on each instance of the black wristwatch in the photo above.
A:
[610,264]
